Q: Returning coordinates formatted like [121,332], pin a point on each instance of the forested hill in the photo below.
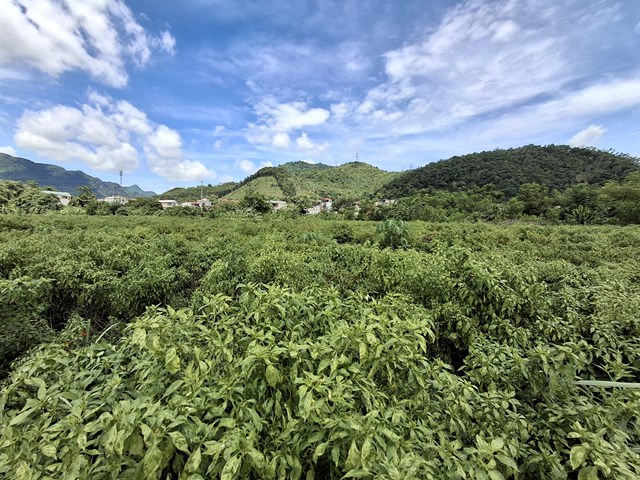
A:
[298,179]
[555,166]
[190,194]
[58,178]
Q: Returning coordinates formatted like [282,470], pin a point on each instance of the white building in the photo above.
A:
[114,199]
[63,197]
[324,205]
[202,203]
[168,203]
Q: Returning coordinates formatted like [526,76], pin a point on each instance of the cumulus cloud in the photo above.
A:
[281,141]
[276,121]
[285,117]
[304,143]
[107,135]
[248,167]
[8,150]
[56,36]
[588,137]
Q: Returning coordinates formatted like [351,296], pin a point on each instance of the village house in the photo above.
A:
[63,197]
[114,199]
[202,203]
[168,203]
[323,205]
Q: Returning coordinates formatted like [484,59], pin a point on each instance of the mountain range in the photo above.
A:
[554,166]
[58,178]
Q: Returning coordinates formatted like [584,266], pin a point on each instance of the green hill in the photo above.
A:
[355,179]
[266,186]
[555,166]
[190,194]
[297,179]
[45,175]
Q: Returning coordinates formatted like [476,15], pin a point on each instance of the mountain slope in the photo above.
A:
[190,194]
[298,179]
[555,166]
[45,175]
[355,179]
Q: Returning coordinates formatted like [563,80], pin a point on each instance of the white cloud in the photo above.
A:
[569,109]
[248,167]
[286,117]
[8,150]
[484,58]
[505,31]
[281,141]
[107,135]
[588,137]
[277,120]
[304,143]
[307,160]
[97,37]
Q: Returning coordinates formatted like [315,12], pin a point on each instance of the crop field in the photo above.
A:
[271,347]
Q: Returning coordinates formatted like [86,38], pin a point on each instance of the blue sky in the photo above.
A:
[175,93]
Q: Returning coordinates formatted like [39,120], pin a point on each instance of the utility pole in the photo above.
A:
[357,156]
[121,189]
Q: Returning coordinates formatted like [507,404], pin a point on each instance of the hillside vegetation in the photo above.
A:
[58,178]
[553,166]
[190,194]
[298,179]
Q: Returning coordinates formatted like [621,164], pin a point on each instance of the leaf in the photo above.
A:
[497,444]
[362,351]
[495,475]
[179,441]
[139,337]
[110,439]
[21,418]
[319,451]
[173,387]
[227,422]
[353,457]
[503,459]
[194,461]
[367,450]
[357,473]
[152,462]
[588,473]
[273,377]
[48,451]
[230,468]
[578,455]
[335,454]
[172,360]
[23,472]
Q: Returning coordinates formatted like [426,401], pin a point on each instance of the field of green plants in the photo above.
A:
[271,347]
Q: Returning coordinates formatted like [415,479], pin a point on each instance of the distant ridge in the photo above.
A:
[555,166]
[45,175]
